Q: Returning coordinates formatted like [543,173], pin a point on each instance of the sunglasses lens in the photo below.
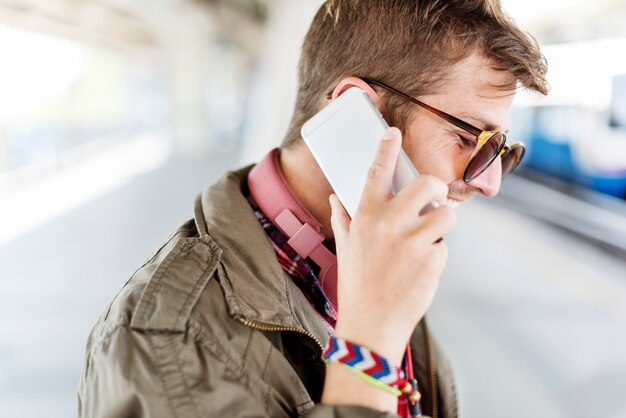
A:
[484,157]
[512,158]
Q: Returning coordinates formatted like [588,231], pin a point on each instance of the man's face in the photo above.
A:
[439,148]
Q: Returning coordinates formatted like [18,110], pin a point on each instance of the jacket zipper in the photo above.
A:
[432,365]
[264,327]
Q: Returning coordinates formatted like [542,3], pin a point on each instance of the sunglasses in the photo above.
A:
[489,144]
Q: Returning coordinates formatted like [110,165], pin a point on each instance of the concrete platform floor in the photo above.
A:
[534,319]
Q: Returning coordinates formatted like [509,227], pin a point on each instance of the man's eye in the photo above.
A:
[470,143]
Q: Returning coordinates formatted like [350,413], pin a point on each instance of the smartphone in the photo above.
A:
[344,138]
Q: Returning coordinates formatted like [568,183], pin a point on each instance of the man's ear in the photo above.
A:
[348,82]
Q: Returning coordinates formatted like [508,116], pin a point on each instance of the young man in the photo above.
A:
[236,313]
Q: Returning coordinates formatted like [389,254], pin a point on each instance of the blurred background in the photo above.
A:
[114,114]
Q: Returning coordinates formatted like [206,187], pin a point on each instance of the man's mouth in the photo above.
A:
[453,203]
[458,193]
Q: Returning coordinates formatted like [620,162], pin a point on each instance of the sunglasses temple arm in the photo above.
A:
[452,119]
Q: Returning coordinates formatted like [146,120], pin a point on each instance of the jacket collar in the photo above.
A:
[255,287]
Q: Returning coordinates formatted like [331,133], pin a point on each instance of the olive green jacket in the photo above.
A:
[210,326]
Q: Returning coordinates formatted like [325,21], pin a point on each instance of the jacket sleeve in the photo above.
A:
[142,374]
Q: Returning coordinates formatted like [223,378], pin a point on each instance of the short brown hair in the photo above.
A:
[409,44]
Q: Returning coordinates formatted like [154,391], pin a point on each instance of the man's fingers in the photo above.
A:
[380,174]
[421,192]
[435,224]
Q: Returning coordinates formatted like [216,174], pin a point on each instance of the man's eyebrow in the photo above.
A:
[480,122]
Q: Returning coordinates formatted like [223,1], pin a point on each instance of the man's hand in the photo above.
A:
[389,257]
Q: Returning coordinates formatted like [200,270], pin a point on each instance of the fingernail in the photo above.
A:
[391,133]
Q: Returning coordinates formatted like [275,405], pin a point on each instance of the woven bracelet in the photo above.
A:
[370,366]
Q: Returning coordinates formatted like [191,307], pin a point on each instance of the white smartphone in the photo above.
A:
[344,138]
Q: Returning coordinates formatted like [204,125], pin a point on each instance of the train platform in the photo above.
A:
[532,315]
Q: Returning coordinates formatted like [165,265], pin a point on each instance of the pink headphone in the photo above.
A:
[270,191]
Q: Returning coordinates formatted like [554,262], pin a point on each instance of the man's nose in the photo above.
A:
[488,182]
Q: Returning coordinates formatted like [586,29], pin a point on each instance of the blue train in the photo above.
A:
[577,144]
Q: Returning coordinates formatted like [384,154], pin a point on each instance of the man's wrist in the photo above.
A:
[379,337]
[342,387]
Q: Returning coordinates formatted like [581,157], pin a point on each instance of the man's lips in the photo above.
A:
[453,203]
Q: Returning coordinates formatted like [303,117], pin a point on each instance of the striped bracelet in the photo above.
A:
[370,366]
